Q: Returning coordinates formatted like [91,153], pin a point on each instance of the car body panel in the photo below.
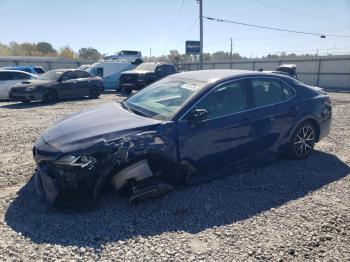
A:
[115,136]
[110,72]
[70,88]
[7,81]
[137,78]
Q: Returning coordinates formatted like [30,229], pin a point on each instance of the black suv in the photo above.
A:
[143,75]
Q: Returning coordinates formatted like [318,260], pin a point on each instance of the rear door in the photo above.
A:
[83,83]
[274,112]
[226,136]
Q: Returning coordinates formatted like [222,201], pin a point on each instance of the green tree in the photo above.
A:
[89,53]
[5,50]
[45,48]
[67,52]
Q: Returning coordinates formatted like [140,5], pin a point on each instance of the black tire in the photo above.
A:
[127,90]
[303,141]
[50,96]
[94,92]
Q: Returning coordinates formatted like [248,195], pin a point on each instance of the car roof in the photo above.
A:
[16,71]
[215,75]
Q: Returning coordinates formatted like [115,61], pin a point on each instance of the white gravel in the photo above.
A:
[283,211]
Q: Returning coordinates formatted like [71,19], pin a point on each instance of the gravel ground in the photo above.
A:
[283,211]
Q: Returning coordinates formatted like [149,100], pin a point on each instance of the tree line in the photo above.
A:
[46,49]
[92,54]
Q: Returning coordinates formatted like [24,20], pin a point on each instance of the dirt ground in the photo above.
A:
[286,210]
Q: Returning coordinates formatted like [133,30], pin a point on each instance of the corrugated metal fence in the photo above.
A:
[331,72]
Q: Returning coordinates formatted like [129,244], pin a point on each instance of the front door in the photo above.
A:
[225,136]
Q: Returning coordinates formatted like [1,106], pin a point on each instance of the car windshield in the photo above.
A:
[147,66]
[51,75]
[163,99]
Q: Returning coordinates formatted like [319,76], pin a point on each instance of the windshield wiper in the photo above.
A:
[135,111]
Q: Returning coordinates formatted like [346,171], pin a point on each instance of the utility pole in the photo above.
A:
[201,33]
[231,50]
[150,54]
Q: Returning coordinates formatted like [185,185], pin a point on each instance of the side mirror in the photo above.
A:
[197,116]
[63,78]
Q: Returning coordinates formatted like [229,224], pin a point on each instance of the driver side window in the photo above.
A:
[68,76]
[225,100]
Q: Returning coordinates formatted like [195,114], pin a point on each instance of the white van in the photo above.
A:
[109,71]
[9,78]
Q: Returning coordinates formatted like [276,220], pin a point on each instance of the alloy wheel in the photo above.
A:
[304,141]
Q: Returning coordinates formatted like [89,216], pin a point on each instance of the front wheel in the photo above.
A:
[127,90]
[94,93]
[50,96]
[303,141]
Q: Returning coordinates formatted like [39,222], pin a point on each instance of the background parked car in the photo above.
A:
[9,78]
[143,75]
[110,72]
[56,84]
[36,70]
[130,56]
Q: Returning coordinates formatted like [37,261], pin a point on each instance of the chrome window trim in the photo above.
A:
[247,110]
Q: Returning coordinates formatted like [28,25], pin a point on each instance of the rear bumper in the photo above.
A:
[325,121]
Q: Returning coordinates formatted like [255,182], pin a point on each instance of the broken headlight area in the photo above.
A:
[73,171]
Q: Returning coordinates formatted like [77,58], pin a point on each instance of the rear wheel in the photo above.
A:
[303,141]
[94,93]
[50,96]
[127,90]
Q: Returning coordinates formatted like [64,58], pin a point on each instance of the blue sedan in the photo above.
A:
[184,129]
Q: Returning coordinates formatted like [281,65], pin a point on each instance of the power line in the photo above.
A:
[294,11]
[174,23]
[272,28]
[187,32]
[222,42]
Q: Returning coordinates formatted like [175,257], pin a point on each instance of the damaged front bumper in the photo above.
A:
[69,176]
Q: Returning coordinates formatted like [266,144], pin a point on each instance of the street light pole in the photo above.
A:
[201,33]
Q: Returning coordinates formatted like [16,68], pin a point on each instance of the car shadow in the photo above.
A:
[194,209]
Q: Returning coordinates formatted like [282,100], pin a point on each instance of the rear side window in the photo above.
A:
[20,76]
[17,76]
[39,70]
[270,91]
[81,74]
[69,75]
[225,100]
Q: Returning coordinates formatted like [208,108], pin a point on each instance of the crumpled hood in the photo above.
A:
[101,124]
